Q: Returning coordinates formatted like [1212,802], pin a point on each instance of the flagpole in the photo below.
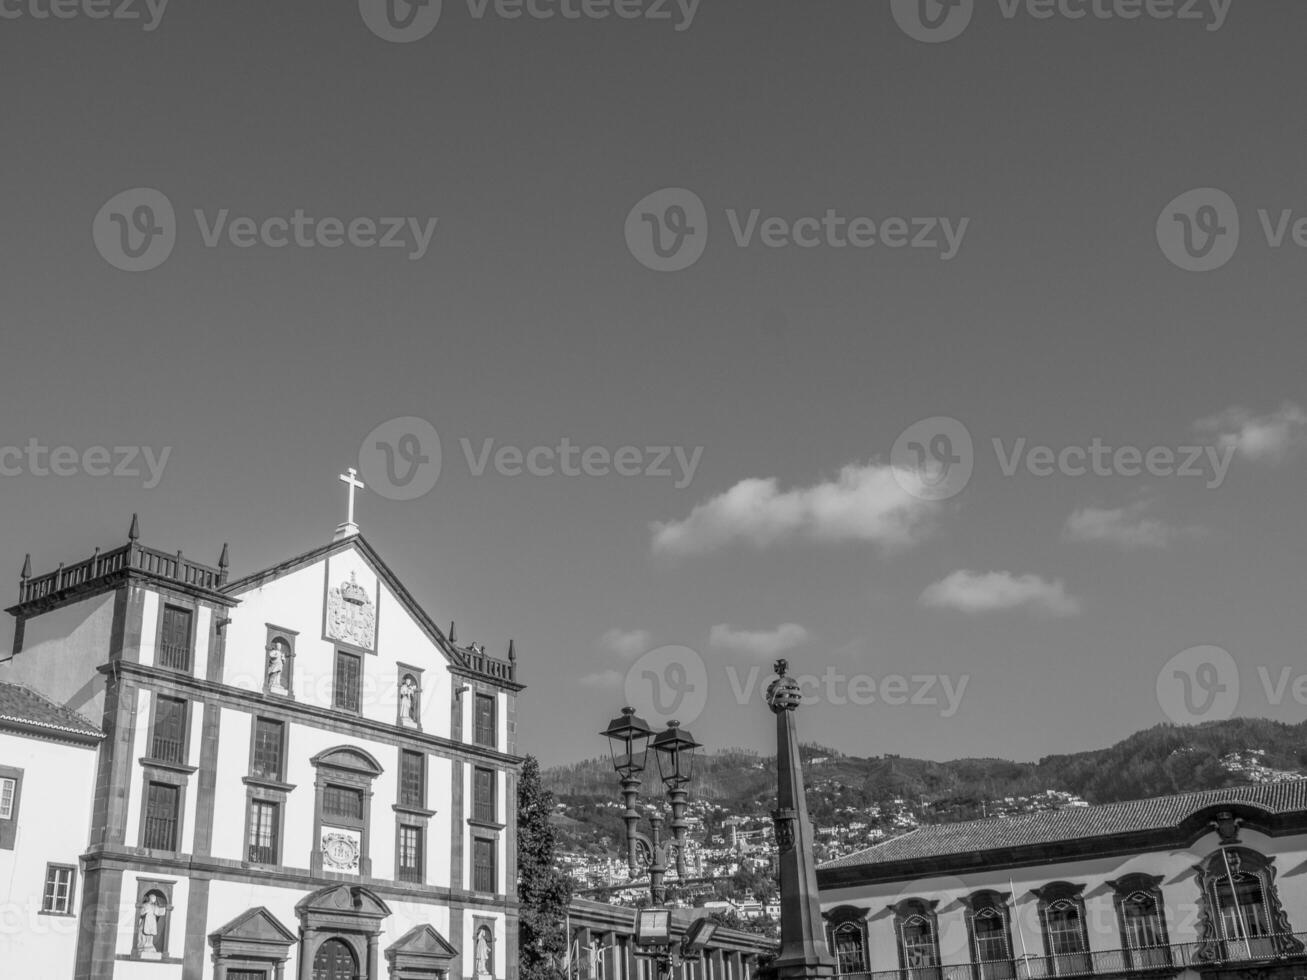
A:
[1234,894]
[1021,930]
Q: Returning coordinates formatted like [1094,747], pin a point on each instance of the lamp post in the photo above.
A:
[630,738]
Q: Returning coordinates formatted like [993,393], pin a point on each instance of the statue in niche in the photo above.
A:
[148,916]
[482,952]
[277,667]
[408,693]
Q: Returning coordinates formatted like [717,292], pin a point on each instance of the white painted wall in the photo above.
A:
[54,818]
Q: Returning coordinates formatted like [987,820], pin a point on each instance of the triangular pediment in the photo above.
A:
[256,926]
[421,946]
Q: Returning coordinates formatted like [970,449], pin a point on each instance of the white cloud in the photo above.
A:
[864,503]
[1270,438]
[977,592]
[627,644]
[604,678]
[1125,527]
[758,643]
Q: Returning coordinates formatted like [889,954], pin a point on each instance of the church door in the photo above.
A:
[334,961]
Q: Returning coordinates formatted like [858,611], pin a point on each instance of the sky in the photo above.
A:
[1070,234]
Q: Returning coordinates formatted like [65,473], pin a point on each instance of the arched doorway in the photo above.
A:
[335,961]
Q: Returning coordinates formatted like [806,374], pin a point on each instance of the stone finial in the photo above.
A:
[453,633]
[26,573]
[512,651]
[222,558]
[134,532]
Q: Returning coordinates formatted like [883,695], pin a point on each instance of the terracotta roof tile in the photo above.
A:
[26,707]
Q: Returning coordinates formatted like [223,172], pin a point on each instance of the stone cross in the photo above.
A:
[351,480]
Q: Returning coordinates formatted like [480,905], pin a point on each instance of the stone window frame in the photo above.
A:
[1242,861]
[988,902]
[1124,890]
[407,814]
[353,768]
[906,911]
[277,781]
[172,775]
[843,919]
[343,650]
[1056,896]
[287,636]
[478,819]
[177,601]
[150,758]
[403,670]
[479,697]
[9,825]
[164,888]
[255,795]
[493,844]
[56,866]
[237,948]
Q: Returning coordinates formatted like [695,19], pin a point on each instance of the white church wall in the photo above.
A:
[53,819]
[140,739]
[233,765]
[60,649]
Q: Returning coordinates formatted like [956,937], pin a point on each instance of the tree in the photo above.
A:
[543,890]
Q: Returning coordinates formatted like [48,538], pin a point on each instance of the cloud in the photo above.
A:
[1125,527]
[1272,438]
[863,503]
[978,592]
[758,643]
[627,644]
[604,678]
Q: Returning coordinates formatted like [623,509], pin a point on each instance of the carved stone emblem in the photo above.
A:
[351,615]
[340,850]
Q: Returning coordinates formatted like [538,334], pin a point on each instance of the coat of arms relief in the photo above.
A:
[351,614]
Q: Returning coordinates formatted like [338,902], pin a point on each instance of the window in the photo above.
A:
[1242,915]
[264,816]
[268,740]
[410,853]
[58,895]
[168,743]
[991,937]
[8,789]
[342,803]
[349,670]
[161,816]
[850,950]
[1064,933]
[920,947]
[1144,931]
[485,720]
[175,638]
[483,865]
[412,779]
[483,798]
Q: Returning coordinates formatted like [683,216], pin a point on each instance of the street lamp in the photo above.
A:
[629,738]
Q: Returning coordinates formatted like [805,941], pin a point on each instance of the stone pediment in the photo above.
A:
[255,933]
[420,948]
[352,901]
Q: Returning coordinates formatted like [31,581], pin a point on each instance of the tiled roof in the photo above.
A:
[20,705]
[1073,823]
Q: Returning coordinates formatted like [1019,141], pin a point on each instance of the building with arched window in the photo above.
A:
[301,776]
[1209,885]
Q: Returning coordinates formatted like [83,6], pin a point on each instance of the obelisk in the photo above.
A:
[804,953]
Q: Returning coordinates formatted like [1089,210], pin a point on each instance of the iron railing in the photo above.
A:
[1288,947]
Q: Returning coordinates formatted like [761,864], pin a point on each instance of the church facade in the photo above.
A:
[301,776]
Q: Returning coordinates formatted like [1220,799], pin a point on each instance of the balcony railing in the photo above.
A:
[1163,960]
[132,555]
[483,663]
